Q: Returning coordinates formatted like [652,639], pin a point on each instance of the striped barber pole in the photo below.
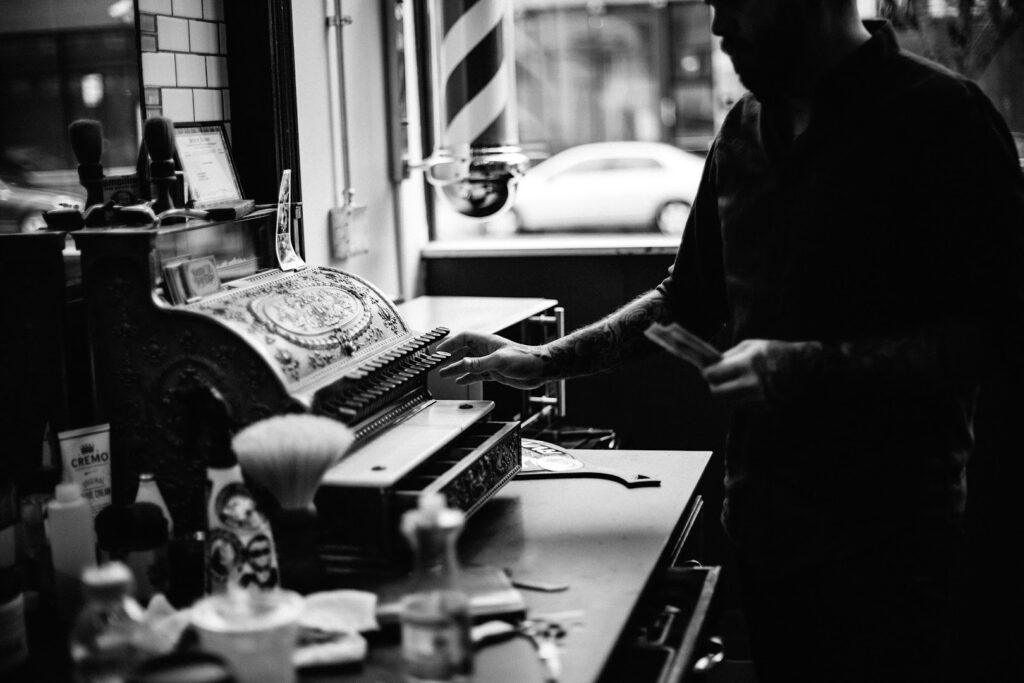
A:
[475,66]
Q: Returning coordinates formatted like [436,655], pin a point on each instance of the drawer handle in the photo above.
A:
[715,654]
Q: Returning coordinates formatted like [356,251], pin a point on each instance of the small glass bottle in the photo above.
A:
[436,645]
[107,636]
[149,492]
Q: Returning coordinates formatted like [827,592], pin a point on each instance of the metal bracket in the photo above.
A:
[553,397]
[335,20]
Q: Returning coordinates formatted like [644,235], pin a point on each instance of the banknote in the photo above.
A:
[682,343]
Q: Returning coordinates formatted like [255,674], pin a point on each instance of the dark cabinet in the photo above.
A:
[673,635]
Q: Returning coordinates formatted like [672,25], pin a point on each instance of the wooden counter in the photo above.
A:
[489,314]
[607,542]
[604,540]
[554,245]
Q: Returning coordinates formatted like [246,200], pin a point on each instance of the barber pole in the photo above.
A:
[477,160]
[476,61]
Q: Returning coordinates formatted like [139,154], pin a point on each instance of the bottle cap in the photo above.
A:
[432,503]
[432,511]
[67,492]
[146,476]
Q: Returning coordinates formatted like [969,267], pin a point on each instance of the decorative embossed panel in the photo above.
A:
[312,323]
[311,312]
[494,458]
[486,475]
[148,360]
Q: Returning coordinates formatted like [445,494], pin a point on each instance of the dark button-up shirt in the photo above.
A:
[887,239]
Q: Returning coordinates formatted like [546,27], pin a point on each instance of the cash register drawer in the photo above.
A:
[360,524]
[470,470]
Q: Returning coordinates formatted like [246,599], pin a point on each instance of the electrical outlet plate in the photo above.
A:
[350,234]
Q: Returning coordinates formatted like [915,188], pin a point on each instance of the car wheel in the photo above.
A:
[32,222]
[671,217]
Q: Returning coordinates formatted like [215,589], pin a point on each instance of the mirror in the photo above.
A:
[62,60]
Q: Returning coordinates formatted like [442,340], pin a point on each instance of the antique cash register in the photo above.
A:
[230,306]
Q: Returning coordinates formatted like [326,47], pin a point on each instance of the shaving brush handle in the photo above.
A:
[296,535]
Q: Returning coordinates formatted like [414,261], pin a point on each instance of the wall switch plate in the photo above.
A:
[350,233]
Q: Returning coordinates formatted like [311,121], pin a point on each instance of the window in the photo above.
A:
[650,72]
[593,166]
[633,164]
[616,72]
[62,60]
[983,41]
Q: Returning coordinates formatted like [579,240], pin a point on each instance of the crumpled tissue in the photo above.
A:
[329,627]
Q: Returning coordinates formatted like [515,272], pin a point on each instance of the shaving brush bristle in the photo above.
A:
[289,454]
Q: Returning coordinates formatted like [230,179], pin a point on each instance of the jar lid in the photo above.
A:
[108,581]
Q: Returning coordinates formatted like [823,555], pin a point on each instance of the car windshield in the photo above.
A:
[592,166]
[633,164]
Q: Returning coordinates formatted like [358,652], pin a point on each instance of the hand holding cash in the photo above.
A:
[682,343]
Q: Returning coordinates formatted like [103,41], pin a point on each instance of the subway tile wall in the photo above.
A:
[184,63]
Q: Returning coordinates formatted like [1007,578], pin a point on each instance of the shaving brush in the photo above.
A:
[288,455]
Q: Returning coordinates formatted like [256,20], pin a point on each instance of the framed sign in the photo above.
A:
[206,161]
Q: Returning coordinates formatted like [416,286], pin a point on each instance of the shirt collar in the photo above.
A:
[859,68]
[842,89]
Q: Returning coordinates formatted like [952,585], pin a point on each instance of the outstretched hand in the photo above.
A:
[488,357]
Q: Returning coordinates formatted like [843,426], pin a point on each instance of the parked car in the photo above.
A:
[609,186]
[22,205]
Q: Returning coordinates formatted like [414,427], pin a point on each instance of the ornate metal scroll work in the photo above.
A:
[485,476]
[316,317]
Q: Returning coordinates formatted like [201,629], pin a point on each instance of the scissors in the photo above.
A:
[544,634]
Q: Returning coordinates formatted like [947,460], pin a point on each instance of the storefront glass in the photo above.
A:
[62,60]
[981,39]
[630,71]
[617,72]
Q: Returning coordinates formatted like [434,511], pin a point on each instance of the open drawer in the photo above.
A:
[673,639]
[471,469]
[360,520]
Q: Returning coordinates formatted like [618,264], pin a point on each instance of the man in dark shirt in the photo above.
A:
[858,230]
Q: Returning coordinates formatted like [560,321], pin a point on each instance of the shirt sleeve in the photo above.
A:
[948,356]
[694,290]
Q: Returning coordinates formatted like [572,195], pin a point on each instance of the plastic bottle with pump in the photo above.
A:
[435,617]
[69,527]
[108,635]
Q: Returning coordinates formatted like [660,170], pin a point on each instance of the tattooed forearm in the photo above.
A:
[606,344]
